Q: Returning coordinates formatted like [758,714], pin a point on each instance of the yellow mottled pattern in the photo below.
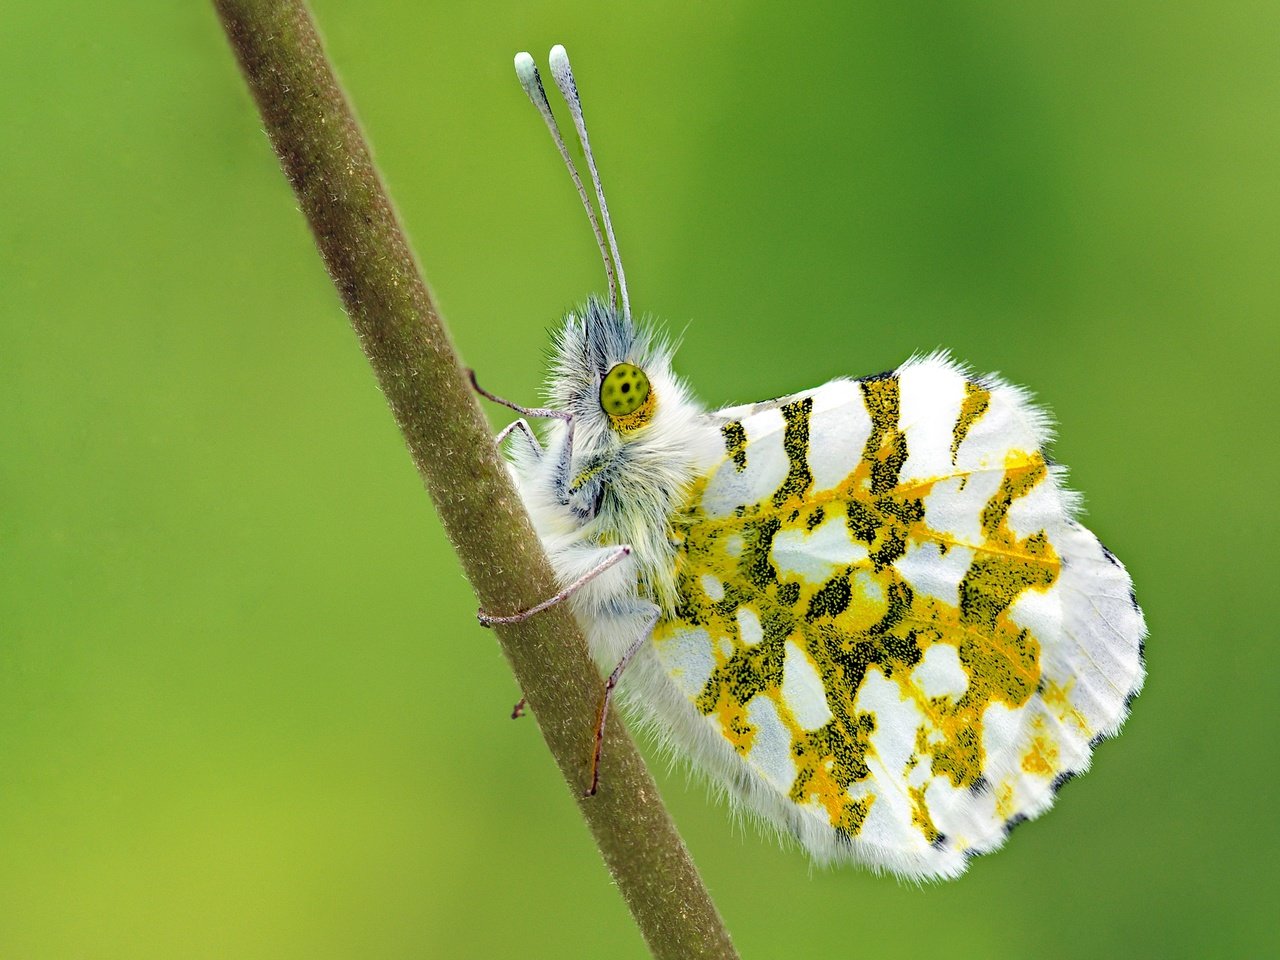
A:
[1041,756]
[920,814]
[1058,699]
[1004,801]
[976,400]
[866,617]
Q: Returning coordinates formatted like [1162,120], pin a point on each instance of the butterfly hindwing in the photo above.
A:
[890,620]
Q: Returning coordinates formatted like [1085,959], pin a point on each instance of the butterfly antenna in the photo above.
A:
[562,73]
[527,72]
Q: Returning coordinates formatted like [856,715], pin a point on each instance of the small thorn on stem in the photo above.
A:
[597,750]
[518,710]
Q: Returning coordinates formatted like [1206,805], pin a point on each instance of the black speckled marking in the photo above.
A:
[832,599]
[976,400]
[863,522]
[735,443]
[752,670]
[757,545]
[788,593]
[795,443]
[886,447]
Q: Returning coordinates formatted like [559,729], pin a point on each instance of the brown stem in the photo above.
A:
[327,161]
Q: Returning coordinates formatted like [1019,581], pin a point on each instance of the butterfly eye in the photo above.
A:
[625,396]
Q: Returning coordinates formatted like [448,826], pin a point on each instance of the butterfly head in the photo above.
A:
[608,371]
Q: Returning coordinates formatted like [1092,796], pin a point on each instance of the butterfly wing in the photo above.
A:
[897,640]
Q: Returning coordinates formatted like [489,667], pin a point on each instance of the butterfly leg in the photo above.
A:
[609,686]
[518,710]
[566,447]
[614,557]
[540,412]
[522,426]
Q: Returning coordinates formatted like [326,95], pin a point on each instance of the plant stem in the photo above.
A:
[326,159]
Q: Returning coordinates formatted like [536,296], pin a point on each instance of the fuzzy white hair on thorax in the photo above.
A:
[636,480]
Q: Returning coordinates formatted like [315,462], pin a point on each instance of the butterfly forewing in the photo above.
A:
[889,617]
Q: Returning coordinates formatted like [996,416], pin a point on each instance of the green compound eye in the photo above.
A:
[624,390]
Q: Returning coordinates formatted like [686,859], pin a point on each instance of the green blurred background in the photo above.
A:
[245,709]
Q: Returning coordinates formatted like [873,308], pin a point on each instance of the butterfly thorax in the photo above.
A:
[629,476]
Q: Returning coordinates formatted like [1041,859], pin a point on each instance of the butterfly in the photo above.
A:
[865,611]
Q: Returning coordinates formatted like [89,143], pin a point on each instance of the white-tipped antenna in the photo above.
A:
[527,72]
[562,73]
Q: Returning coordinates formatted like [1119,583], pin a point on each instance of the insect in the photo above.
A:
[865,610]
